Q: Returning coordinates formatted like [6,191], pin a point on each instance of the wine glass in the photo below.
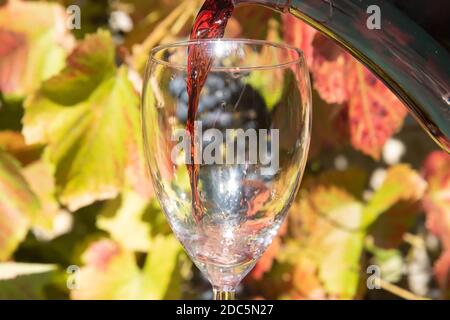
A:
[252,133]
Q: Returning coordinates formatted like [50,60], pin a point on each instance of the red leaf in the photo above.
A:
[100,253]
[13,53]
[265,263]
[329,69]
[34,41]
[329,79]
[436,202]
[436,170]
[434,163]
[442,272]
[375,113]
[300,35]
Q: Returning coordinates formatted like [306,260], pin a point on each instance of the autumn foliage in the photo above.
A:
[78,218]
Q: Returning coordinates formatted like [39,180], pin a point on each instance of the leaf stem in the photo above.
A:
[170,25]
[400,292]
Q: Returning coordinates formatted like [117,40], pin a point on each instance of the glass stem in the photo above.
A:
[225,293]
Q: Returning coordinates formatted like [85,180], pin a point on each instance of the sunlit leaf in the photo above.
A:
[442,272]
[436,171]
[329,69]
[263,81]
[13,142]
[42,183]
[300,35]
[137,173]
[35,41]
[18,206]
[305,277]
[374,112]
[332,238]
[24,280]
[436,202]
[402,184]
[111,272]
[132,221]
[390,262]
[86,141]
[161,266]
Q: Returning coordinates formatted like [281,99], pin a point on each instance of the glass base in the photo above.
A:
[221,294]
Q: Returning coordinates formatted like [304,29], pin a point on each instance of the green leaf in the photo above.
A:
[111,272]
[122,218]
[18,206]
[91,62]
[42,183]
[35,42]
[161,265]
[332,238]
[390,262]
[87,141]
[267,83]
[24,280]
[401,184]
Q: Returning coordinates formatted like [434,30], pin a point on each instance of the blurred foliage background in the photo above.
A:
[78,218]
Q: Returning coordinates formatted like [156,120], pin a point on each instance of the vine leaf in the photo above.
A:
[396,199]
[333,242]
[35,42]
[13,142]
[442,273]
[88,116]
[436,170]
[15,276]
[42,183]
[328,66]
[132,221]
[19,206]
[111,272]
[300,35]
[374,112]
[261,81]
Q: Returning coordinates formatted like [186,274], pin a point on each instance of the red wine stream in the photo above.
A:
[209,24]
